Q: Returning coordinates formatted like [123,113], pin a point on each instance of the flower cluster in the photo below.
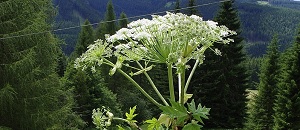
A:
[94,55]
[172,39]
[102,117]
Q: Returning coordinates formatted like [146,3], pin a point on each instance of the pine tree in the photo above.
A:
[123,20]
[31,94]
[261,114]
[177,6]
[221,81]
[287,102]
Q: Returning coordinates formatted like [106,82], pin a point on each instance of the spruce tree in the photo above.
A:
[110,18]
[177,6]
[100,30]
[287,102]
[86,37]
[31,94]
[261,113]
[123,20]
[192,9]
[221,81]
[233,71]
[108,26]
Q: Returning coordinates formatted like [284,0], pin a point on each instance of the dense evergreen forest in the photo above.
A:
[255,84]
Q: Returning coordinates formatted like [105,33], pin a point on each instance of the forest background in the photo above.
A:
[39,82]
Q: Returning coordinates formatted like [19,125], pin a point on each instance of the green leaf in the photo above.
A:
[165,120]
[154,124]
[178,106]
[199,112]
[175,111]
[120,127]
[192,106]
[131,115]
[192,126]
[187,97]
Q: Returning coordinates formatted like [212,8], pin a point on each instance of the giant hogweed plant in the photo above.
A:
[172,39]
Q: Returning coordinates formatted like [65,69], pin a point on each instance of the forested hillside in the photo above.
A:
[110,64]
[259,21]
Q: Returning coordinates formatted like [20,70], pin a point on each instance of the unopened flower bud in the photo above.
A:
[109,115]
[108,123]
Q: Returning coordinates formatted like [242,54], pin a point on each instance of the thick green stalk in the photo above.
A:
[153,85]
[171,85]
[182,78]
[190,76]
[135,84]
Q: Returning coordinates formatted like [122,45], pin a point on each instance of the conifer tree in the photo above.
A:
[110,18]
[31,94]
[192,9]
[233,71]
[177,6]
[261,113]
[287,102]
[108,26]
[100,30]
[221,81]
[86,37]
[123,20]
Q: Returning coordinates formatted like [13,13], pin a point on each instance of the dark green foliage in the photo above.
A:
[110,18]
[261,112]
[192,10]
[253,65]
[86,37]
[287,103]
[123,20]
[100,30]
[261,22]
[177,6]
[32,96]
[62,64]
[221,81]
[286,3]
[108,26]
[233,75]
[90,90]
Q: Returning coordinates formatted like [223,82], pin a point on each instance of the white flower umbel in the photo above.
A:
[172,39]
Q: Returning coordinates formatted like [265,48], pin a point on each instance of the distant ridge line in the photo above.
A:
[138,16]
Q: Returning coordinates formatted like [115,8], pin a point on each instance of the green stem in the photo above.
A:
[182,78]
[191,75]
[135,84]
[153,85]
[121,119]
[134,125]
[171,85]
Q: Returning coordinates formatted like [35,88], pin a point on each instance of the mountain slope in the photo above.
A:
[259,22]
